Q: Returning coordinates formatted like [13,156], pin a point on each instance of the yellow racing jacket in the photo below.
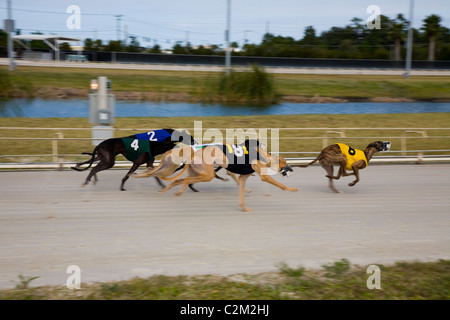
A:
[352,155]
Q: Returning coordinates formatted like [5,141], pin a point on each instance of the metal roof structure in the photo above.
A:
[46,39]
[43,37]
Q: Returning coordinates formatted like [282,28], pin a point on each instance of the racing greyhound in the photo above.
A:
[244,160]
[139,148]
[347,158]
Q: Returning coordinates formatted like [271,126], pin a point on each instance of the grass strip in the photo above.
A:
[337,280]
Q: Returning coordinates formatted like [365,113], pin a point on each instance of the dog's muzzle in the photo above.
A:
[386,146]
[286,171]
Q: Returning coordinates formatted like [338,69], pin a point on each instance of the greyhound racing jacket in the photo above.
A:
[238,156]
[136,146]
[352,155]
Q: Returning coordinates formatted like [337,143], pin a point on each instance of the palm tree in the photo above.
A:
[431,27]
[398,34]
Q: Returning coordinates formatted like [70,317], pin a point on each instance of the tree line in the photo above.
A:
[353,41]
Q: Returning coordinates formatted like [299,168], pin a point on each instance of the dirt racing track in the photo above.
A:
[48,222]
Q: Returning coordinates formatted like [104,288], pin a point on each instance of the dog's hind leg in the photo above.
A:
[329,170]
[341,173]
[150,167]
[217,176]
[201,174]
[191,186]
[204,176]
[99,167]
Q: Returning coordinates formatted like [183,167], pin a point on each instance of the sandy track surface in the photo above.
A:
[48,222]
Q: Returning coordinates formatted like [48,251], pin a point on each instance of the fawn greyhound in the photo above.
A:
[347,158]
[243,159]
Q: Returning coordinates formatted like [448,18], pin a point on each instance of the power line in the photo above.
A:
[58,12]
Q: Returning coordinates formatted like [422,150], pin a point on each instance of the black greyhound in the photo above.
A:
[139,148]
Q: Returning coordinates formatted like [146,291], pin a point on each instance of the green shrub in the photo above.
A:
[248,86]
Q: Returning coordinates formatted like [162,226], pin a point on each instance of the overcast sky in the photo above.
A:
[165,22]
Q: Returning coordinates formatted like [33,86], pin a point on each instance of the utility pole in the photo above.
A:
[118,17]
[9,29]
[227,39]
[410,40]
[186,38]
[125,34]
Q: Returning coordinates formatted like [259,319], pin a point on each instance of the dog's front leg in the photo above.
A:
[358,165]
[356,172]
[267,178]
[346,174]
[241,180]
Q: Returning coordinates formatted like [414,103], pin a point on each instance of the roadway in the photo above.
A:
[48,222]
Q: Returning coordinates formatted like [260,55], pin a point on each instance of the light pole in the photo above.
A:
[227,39]
[9,29]
[410,40]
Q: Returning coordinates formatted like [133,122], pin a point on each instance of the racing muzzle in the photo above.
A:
[286,171]
[386,146]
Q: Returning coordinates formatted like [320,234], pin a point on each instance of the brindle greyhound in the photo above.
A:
[244,159]
[348,158]
[140,148]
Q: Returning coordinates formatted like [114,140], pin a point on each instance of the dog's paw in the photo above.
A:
[293,189]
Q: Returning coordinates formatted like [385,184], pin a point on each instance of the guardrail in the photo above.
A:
[399,152]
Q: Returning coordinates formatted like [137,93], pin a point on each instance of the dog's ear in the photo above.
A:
[377,145]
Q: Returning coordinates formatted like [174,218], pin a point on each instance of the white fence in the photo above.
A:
[399,152]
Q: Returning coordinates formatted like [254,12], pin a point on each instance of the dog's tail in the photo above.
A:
[307,165]
[90,161]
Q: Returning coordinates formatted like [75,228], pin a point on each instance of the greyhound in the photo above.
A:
[244,160]
[139,148]
[175,160]
[347,158]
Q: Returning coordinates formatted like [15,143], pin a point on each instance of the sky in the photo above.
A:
[202,22]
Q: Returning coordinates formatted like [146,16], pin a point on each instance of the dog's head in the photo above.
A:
[253,144]
[285,169]
[380,145]
[182,137]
